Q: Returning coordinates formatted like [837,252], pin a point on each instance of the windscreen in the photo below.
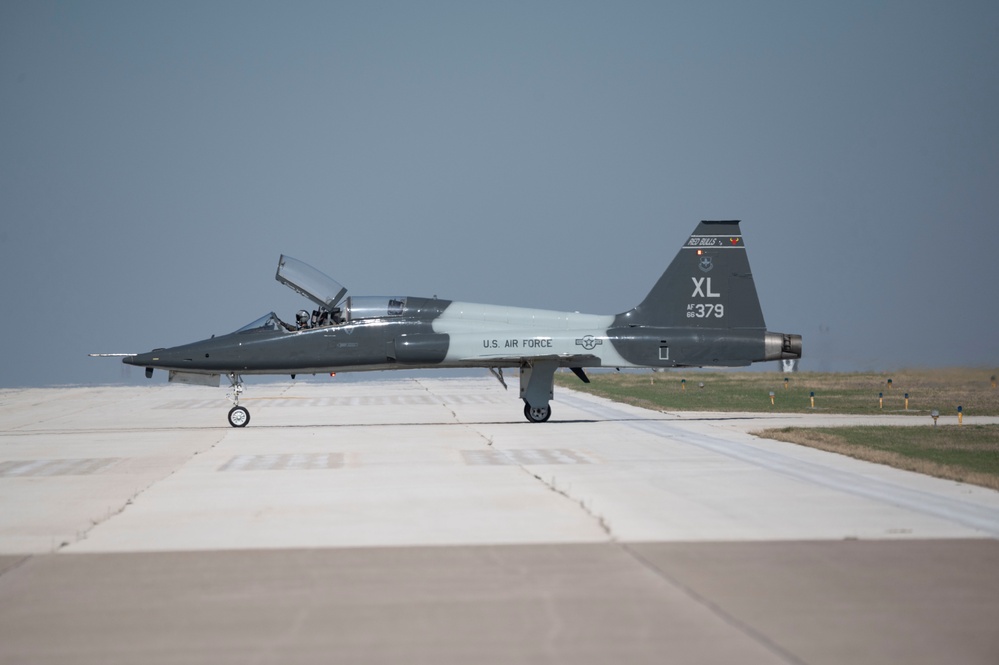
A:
[314,285]
[266,322]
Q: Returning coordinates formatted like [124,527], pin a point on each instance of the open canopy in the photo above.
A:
[314,285]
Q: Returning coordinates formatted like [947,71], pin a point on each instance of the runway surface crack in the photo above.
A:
[437,397]
[454,414]
[565,493]
[111,513]
[730,619]
[17,564]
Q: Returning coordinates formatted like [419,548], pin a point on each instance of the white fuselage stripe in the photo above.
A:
[481,332]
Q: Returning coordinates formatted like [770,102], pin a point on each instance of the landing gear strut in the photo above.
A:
[239,416]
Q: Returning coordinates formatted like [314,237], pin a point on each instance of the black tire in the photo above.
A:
[540,415]
[239,416]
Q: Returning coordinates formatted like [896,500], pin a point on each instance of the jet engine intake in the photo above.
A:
[421,349]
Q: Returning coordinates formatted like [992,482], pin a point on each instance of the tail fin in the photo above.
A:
[708,285]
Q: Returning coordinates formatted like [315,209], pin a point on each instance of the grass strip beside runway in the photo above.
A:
[967,454]
[854,393]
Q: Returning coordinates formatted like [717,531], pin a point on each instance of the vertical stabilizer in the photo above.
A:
[708,285]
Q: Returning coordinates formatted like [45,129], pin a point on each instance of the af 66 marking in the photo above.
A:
[702,311]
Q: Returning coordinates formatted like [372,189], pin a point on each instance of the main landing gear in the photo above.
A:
[537,414]
[239,416]
[537,381]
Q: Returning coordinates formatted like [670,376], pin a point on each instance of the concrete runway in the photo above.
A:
[424,520]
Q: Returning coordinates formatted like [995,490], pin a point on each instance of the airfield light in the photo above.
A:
[934,414]
[683,385]
[771,398]
[993,381]
[785,383]
[701,385]
[811,396]
[960,415]
[881,400]
[906,401]
[889,384]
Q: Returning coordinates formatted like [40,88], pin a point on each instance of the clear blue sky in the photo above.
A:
[156,158]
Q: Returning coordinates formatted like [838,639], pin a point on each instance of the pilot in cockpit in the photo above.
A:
[318,319]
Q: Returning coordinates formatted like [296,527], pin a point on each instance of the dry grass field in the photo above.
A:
[858,393]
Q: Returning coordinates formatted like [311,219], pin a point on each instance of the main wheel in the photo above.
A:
[537,414]
[239,416]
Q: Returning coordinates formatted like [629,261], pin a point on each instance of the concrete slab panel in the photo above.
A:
[581,604]
[852,601]
[425,519]
[890,601]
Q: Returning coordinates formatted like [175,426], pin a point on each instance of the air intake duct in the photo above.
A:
[420,349]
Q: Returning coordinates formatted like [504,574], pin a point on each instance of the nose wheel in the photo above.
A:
[239,416]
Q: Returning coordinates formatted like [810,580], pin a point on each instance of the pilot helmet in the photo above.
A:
[302,317]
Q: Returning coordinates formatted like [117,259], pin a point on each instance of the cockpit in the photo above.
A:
[355,308]
[328,294]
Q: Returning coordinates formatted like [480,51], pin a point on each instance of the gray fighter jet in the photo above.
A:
[703,312]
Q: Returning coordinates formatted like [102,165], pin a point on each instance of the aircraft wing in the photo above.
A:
[575,360]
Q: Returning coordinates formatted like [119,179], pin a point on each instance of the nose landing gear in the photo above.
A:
[239,416]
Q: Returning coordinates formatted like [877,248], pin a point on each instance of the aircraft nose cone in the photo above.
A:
[175,357]
[207,354]
[161,358]
[139,360]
